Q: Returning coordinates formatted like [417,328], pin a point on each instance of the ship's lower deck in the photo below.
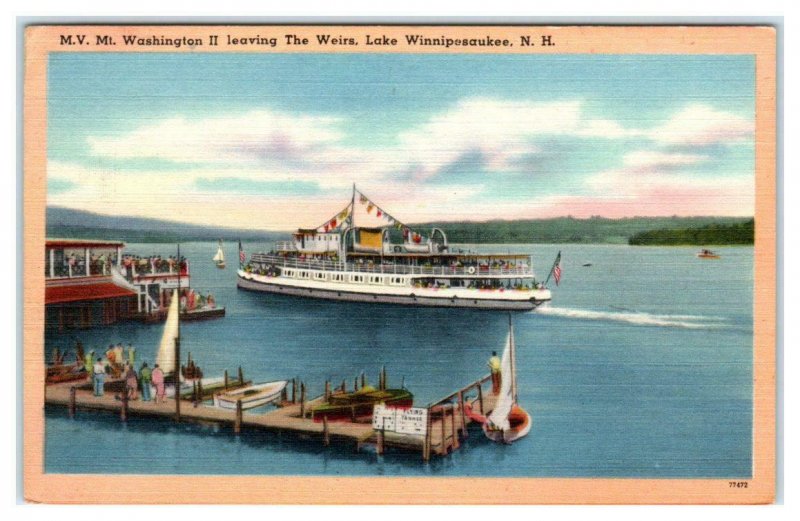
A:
[512,299]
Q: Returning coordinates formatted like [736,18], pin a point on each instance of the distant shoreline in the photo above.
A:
[67,223]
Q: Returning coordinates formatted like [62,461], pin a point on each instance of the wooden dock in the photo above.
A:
[447,420]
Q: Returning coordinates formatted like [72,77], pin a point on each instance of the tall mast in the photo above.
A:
[513,357]
[353,208]
[177,375]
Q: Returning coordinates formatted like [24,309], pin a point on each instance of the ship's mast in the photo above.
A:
[352,221]
[513,359]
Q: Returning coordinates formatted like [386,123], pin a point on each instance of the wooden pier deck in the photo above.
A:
[447,421]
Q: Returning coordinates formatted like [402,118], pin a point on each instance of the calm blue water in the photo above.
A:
[640,367]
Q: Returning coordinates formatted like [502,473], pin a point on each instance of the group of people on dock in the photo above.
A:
[147,380]
[133,265]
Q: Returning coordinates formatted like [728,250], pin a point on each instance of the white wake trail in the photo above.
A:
[635,317]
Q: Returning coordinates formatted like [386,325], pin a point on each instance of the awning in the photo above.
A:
[84,292]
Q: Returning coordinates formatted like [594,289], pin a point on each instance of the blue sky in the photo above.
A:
[276,140]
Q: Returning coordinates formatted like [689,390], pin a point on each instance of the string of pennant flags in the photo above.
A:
[380,212]
[345,217]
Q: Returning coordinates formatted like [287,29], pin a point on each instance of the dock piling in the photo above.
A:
[453,431]
[72,392]
[225,383]
[385,380]
[200,390]
[381,440]
[444,432]
[294,390]
[237,425]
[480,397]
[241,376]
[327,390]
[123,412]
[463,415]
[326,436]
[363,379]
[302,399]
[426,447]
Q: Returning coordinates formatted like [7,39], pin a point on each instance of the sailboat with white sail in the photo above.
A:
[166,358]
[508,421]
[219,257]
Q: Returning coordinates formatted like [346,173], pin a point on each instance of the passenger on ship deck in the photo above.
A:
[99,377]
[494,366]
[131,354]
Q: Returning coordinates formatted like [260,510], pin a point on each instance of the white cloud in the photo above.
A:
[261,134]
[699,125]
[653,160]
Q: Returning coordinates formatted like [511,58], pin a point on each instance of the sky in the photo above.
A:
[276,141]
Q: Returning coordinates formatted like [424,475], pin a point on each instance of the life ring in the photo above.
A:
[471,270]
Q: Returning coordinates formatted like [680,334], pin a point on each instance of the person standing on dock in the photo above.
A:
[158,382]
[131,382]
[145,376]
[494,366]
[99,377]
[87,362]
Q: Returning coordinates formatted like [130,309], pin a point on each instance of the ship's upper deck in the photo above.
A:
[470,265]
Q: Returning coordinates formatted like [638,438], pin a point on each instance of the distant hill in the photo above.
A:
[569,229]
[718,234]
[64,222]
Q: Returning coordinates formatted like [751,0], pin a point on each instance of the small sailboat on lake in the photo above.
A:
[508,421]
[219,257]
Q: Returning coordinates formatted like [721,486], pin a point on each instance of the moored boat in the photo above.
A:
[358,405]
[251,396]
[508,421]
[707,254]
[391,263]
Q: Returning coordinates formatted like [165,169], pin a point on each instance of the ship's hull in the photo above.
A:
[407,297]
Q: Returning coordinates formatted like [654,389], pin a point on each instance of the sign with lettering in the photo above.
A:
[413,420]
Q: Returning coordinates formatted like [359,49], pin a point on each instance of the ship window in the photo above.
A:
[357,278]
[319,276]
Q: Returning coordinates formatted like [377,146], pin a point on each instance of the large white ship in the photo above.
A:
[391,264]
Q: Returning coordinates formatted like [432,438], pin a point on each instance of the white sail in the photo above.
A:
[505,400]
[166,352]
[220,256]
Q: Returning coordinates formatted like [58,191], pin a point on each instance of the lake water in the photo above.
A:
[640,367]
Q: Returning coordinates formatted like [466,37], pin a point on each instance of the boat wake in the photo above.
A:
[637,318]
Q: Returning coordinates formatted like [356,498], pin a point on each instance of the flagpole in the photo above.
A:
[555,263]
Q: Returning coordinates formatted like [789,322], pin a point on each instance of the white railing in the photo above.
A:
[520,270]
[285,246]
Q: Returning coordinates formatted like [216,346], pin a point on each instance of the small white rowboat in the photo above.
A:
[251,396]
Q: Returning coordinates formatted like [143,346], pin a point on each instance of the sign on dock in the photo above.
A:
[411,420]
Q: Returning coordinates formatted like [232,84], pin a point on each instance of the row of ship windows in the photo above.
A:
[341,277]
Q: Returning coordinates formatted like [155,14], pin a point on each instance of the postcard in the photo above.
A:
[399,264]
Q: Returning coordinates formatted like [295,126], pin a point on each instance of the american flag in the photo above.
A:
[242,258]
[556,271]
